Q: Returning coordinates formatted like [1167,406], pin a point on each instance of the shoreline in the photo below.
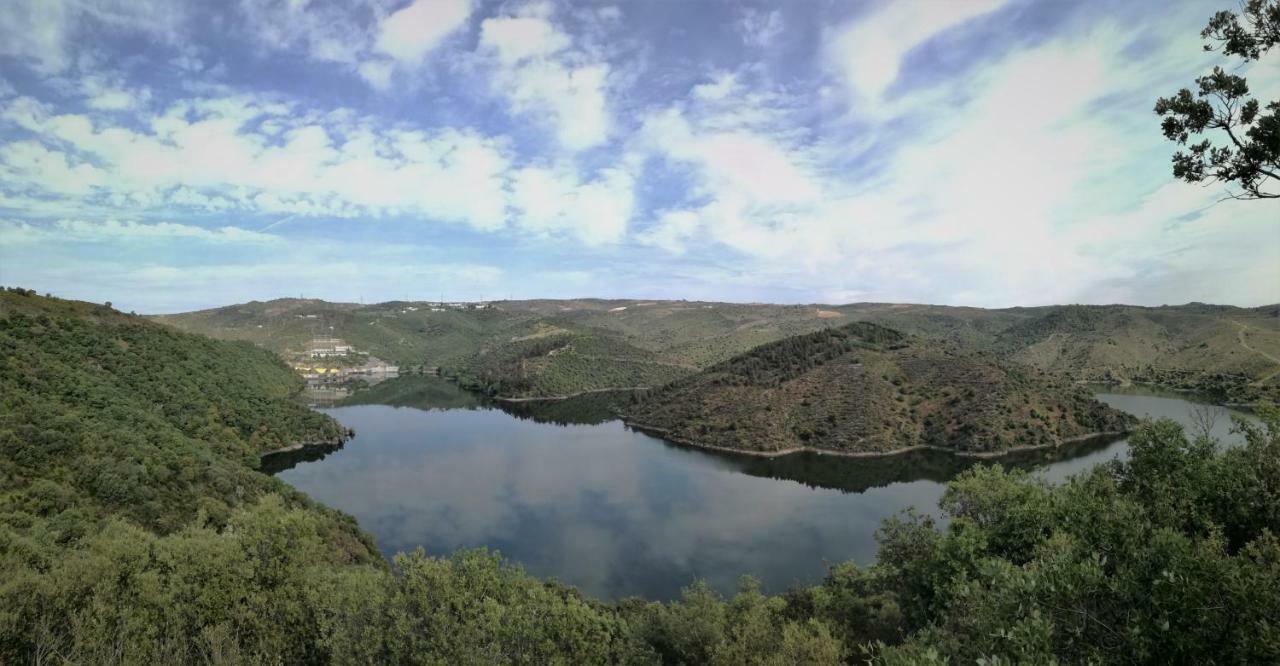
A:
[666,435]
[346,436]
[1202,395]
[555,398]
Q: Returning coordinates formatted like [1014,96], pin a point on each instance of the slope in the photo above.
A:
[505,348]
[866,389]
[107,414]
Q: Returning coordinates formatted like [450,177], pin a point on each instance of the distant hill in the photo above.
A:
[562,347]
[865,389]
[520,348]
[1234,352]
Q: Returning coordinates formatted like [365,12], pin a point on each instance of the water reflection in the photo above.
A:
[586,409]
[616,512]
[856,475]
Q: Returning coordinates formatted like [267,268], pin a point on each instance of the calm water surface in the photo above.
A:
[570,493]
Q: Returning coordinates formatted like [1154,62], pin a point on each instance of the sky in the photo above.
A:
[168,156]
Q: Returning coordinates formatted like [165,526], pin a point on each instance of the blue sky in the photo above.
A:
[169,155]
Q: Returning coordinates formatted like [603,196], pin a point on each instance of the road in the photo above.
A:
[1240,330]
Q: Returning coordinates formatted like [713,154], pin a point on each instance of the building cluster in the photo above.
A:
[329,347]
[460,305]
[318,362]
[371,367]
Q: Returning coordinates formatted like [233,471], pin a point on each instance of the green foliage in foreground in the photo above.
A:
[1170,557]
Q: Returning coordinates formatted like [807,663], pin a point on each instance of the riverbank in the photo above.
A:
[346,435]
[619,389]
[666,435]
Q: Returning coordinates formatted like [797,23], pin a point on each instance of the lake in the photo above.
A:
[570,493]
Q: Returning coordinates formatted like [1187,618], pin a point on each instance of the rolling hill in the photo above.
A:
[866,389]
[107,414]
[562,347]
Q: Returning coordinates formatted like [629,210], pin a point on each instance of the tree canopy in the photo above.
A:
[1247,154]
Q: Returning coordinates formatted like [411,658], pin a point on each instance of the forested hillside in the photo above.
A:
[863,388]
[548,347]
[114,415]
[135,528]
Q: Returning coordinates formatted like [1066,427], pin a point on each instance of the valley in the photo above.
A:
[140,517]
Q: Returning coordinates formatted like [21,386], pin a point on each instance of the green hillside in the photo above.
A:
[1233,353]
[551,347]
[115,415]
[863,388]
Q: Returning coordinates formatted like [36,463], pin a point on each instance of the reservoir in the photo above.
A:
[569,492]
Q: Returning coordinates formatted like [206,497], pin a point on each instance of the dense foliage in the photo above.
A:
[864,388]
[564,364]
[774,363]
[1248,156]
[1170,557]
[106,414]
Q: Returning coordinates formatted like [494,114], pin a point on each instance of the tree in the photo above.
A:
[1250,157]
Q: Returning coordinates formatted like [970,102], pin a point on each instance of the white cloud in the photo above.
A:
[408,34]
[325,32]
[672,231]
[37,32]
[574,97]
[377,73]
[1024,195]
[869,51]
[556,201]
[719,88]
[217,275]
[357,35]
[111,95]
[45,33]
[760,28]
[260,156]
[30,163]
[518,38]
[537,72]
[13,232]
[746,164]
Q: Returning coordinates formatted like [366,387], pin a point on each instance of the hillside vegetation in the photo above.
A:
[114,415]
[863,388]
[548,347]
[136,529]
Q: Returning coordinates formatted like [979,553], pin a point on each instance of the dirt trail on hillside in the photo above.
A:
[1240,335]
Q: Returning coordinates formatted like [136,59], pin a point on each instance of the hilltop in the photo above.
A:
[866,389]
[563,347]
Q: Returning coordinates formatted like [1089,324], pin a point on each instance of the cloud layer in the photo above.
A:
[987,153]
